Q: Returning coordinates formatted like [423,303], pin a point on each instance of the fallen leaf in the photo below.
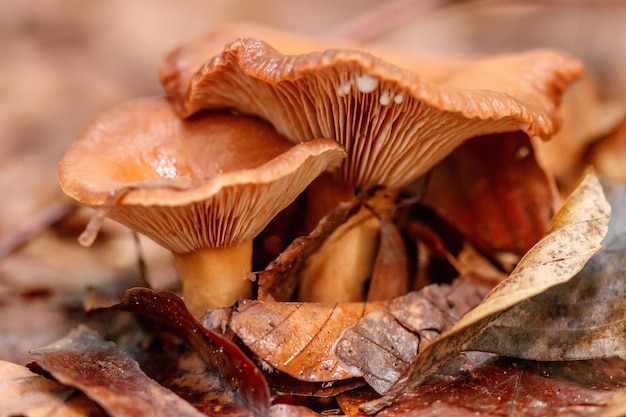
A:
[168,311]
[297,338]
[108,376]
[493,191]
[498,386]
[383,344]
[184,371]
[576,234]
[25,393]
[390,276]
[583,318]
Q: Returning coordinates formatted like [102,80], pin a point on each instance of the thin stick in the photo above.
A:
[35,224]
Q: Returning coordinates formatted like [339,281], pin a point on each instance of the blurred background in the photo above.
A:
[64,61]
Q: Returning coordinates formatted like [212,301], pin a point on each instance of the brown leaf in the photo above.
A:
[168,311]
[576,233]
[390,276]
[492,190]
[108,376]
[583,318]
[28,394]
[297,338]
[384,343]
[513,387]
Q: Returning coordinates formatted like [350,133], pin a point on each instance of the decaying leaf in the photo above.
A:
[296,338]
[496,386]
[583,318]
[279,280]
[108,376]
[390,276]
[25,393]
[576,234]
[384,343]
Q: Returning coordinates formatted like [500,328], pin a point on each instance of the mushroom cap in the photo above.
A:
[393,124]
[213,180]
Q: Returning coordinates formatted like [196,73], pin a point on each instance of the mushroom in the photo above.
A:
[394,123]
[202,187]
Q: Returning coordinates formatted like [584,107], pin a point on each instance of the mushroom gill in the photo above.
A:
[394,124]
[202,187]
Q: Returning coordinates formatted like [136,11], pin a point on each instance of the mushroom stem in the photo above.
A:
[215,277]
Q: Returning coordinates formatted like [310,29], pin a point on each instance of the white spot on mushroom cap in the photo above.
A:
[385,98]
[344,89]
[398,98]
[366,84]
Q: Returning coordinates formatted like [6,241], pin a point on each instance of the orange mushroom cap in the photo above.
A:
[394,124]
[212,180]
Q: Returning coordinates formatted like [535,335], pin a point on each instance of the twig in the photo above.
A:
[35,224]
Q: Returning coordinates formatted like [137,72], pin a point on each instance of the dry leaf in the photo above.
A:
[492,386]
[279,280]
[390,276]
[238,372]
[27,394]
[384,343]
[583,318]
[108,376]
[297,338]
[576,234]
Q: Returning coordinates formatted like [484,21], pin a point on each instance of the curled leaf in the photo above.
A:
[239,372]
[575,236]
[584,318]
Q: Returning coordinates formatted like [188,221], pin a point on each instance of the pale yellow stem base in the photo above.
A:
[215,277]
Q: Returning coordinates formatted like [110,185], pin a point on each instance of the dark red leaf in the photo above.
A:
[169,312]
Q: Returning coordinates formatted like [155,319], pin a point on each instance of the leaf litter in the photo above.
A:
[482,379]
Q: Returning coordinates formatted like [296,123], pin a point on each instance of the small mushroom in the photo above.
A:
[202,187]
[394,123]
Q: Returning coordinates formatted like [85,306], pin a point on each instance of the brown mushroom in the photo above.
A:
[395,124]
[202,187]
